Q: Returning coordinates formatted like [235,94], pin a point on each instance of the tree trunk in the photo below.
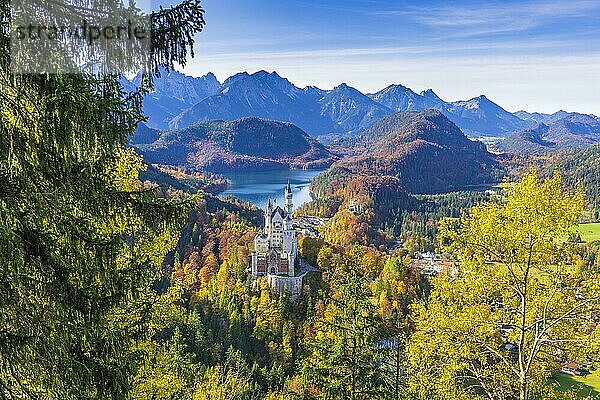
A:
[523,389]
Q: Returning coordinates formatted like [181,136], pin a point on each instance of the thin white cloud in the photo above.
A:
[535,69]
[514,46]
[496,18]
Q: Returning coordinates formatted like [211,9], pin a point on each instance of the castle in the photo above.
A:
[276,247]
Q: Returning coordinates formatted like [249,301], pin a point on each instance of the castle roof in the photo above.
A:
[278,210]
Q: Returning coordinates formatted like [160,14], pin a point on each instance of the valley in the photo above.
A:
[379,149]
[404,170]
[395,139]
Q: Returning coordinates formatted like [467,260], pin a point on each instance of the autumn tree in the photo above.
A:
[230,381]
[169,369]
[516,309]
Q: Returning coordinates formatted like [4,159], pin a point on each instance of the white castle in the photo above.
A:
[276,247]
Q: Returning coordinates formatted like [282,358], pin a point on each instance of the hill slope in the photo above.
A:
[575,130]
[350,110]
[424,150]
[481,116]
[582,169]
[527,142]
[221,146]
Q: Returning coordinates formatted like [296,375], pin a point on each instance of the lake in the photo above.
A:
[258,187]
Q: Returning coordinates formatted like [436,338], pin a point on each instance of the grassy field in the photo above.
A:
[588,385]
[588,232]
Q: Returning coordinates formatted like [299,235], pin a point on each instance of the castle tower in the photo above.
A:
[289,205]
[268,214]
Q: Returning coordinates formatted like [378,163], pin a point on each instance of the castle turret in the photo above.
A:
[268,212]
[289,205]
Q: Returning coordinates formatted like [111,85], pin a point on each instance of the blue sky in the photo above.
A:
[533,55]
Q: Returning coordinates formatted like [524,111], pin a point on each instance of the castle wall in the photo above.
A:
[286,284]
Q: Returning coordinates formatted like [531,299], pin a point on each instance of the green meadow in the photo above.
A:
[588,232]
[586,385]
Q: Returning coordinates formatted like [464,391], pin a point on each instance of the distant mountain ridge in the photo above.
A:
[173,92]
[559,130]
[477,116]
[230,146]
[262,95]
[542,118]
[350,110]
[179,101]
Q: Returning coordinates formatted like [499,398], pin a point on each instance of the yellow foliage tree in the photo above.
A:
[517,309]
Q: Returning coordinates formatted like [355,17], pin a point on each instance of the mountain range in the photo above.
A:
[476,117]
[179,101]
[173,92]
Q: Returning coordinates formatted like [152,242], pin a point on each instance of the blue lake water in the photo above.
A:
[258,187]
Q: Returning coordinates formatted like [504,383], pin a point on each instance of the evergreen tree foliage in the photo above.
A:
[80,238]
[343,357]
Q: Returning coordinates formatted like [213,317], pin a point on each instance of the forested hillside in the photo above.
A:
[425,151]
[579,168]
[180,179]
[403,154]
[583,169]
[221,146]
